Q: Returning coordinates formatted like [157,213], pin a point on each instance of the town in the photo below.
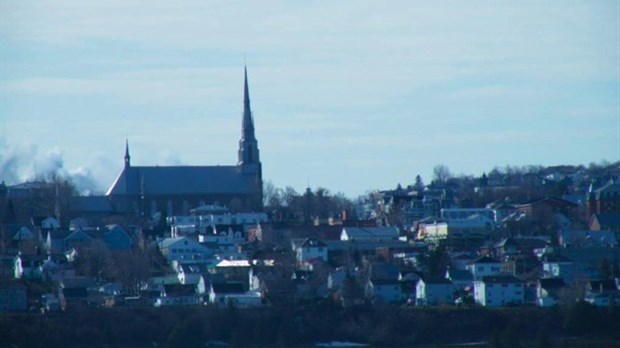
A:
[169,237]
[521,237]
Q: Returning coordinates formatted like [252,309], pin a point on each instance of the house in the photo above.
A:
[571,271]
[501,210]
[484,266]
[461,279]
[24,240]
[28,266]
[184,249]
[408,283]
[384,290]
[602,293]
[116,238]
[433,292]
[547,205]
[587,238]
[548,291]
[12,296]
[465,213]
[310,249]
[78,238]
[73,296]
[499,290]
[605,199]
[335,279]
[461,260]
[457,233]
[244,300]
[235,270]
[189,273]
[605,222]
[218,292]
[369,233]
[45,222]
[508,247]
[178,295]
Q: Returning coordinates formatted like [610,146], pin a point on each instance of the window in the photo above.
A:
[320,250]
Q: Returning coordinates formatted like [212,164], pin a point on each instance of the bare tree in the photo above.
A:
[441,173]
[131,269]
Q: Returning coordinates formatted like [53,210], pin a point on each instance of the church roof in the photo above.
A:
[173,180]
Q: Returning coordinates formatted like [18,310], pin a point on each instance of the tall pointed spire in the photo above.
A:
[248,145]
[248,122]
[127,157]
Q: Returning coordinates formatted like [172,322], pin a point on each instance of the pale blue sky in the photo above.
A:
[348,95]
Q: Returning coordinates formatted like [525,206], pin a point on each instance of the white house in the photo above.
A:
[219,292]
[548,291]
[473,227]
[499,290]
[184,249]
[189,273]
[432,292]
[245,300]
[387,290]
[178,295]
[309,249]
[484,266]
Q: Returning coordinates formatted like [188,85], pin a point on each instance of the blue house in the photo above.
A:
[116,238]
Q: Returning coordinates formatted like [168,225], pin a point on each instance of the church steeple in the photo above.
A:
[127,157]
[248,145]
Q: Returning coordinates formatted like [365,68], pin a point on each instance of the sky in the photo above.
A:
[352,96]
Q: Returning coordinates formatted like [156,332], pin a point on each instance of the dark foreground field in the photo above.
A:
[579,325]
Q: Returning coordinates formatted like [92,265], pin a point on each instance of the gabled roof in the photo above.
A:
[484,259]
[607,220]
[501,279]
[436,281]
[174,180]
[462,275]
[551,283]
[24,233]
[369,233]
[589,238]
[313,242]
[228,288]
[556,201]
[168,242]
[383,282]
[384,271]
[609,187]
[75,292]
[463,256]
[602,285]
[556,259]
[179,290]
[79,235]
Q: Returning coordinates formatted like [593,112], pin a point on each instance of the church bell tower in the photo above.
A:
[249,158]
[248,145]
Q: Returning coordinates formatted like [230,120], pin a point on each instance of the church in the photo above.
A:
[177,189]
